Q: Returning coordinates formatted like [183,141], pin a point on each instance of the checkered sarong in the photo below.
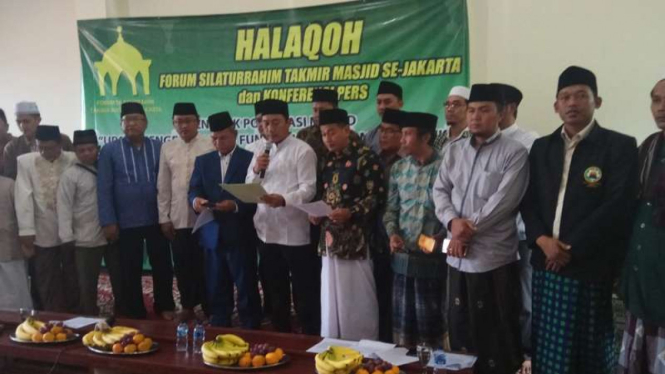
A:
[573,331]
[418,311]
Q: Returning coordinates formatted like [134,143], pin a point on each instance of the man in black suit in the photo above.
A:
[229,242]
[577,212]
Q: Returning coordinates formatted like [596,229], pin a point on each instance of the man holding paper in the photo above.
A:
[419,280]
[229,241]
[287,171]
[352,184]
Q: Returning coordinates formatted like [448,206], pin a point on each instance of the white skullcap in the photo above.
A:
[460,91]
[27,107]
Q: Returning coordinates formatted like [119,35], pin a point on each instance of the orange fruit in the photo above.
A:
[272,358]
[37,337]
[138,338]
[145,345]
[48,337]
[245,361]
[280,353]
[117,348]
[362,371]
[258,361]
[377,372]
[55,330]
[248,355]
[61,336]
[130,348]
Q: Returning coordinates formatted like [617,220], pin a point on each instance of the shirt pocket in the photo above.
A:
[487,184]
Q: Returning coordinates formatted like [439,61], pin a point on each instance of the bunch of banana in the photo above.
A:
[338,360]
[224,350]
[28,328]
[105,337]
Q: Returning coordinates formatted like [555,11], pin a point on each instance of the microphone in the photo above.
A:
[266,152]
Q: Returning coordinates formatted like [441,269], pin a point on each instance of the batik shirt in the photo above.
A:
[312,136]
[353,180]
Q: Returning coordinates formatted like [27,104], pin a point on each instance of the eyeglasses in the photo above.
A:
[453,105]
[389,131]
[137,119]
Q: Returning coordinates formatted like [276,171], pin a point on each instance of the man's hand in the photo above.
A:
[340,215]
[273,200]
[27,245]
[462,229]
[226,206]
[396,243]
[315,220]
[168,230]
[261,163]
[111,232]
[457,248]
[199,204]
[556,252]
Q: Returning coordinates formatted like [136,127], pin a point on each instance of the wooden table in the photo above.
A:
[164,361]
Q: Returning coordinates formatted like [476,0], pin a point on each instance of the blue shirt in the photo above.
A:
[127,183]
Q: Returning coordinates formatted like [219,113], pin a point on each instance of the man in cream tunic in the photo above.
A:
[176,216]
[35,192]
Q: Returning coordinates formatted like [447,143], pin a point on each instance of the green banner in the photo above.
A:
[228,62]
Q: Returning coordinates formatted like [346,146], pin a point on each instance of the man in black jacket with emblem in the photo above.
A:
[577,211]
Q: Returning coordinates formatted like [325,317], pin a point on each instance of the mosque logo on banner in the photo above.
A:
[123,59]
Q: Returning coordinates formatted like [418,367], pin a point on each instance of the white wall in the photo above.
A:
[523,42]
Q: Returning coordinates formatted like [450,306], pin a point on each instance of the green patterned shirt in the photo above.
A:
[410,206]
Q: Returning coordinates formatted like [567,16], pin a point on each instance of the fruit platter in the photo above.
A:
[231,352]
[118,340]
[344,360]
[34,331]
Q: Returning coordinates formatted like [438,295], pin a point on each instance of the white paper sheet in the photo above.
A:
[315,209]
[203,218]
[246,192]
[397,356]
[80,322]
[454,362]
[327,342]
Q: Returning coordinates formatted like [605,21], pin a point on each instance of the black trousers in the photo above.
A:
[297,268]
[131,256]
[383,275]
[188,267]
[55,279]
[484,317]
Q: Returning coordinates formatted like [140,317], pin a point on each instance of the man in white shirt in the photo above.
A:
[78,224]
[288,174]
[512,97]
[176,216]
[455,111]
[35,193]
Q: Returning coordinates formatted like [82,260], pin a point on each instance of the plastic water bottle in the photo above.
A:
[198,337]
[182,337]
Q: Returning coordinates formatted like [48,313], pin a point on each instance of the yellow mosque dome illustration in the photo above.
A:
[123,59]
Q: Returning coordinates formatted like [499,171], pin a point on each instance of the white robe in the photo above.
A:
[14,292]
[35,193]
[349,306]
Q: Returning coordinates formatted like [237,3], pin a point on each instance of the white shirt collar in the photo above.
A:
[221,156]
[510,129]
[580,135]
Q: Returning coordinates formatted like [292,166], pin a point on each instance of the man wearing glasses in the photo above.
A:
[127,198]
[455,111]
[176,215]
